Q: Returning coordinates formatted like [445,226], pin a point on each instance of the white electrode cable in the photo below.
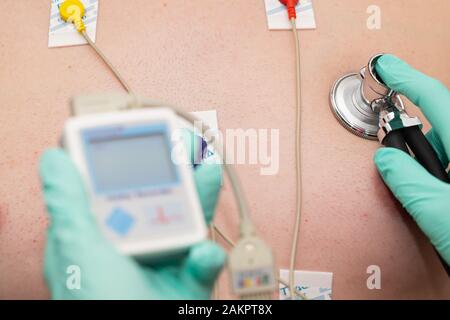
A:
[246,226]
[298,174]
[298,162]
[107,62]
[73,11]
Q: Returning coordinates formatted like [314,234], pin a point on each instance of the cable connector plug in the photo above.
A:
[290,5]
[252,269]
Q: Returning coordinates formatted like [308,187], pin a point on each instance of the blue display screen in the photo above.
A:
[124,158]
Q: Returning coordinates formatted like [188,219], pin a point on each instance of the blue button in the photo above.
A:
[120,221]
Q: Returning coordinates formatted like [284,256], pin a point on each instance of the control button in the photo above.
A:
[120,221]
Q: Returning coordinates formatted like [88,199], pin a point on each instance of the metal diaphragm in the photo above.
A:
[351,109]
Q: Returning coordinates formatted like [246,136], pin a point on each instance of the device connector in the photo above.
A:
[252,269]
[290,6]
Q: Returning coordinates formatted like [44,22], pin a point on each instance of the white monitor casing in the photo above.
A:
[158,221]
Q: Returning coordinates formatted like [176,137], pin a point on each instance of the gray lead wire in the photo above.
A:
[107,62]
[246,225]
[298,162]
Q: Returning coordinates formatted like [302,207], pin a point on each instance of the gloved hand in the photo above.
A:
[425,197]
[73,239]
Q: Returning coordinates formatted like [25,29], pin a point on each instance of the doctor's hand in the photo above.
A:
[75,247]
[426,198]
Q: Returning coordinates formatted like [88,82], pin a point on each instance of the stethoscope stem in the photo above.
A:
[395,139]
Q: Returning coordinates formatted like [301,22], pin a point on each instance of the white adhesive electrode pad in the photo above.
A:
[314,285]
[61,33]
[277,17]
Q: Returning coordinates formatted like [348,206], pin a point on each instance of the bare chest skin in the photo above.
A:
[178,53]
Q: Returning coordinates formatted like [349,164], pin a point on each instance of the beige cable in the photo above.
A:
[246,226]
[107,62]
[298,175]
[224,237]
[216,290]
[298,162]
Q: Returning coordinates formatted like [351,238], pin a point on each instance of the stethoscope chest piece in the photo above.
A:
[351,109]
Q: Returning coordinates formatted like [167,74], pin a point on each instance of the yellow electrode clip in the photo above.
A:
[72,11]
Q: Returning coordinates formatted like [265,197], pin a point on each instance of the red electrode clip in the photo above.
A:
[290,5]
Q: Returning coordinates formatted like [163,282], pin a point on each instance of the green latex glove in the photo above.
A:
[74,240]
[425,197]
